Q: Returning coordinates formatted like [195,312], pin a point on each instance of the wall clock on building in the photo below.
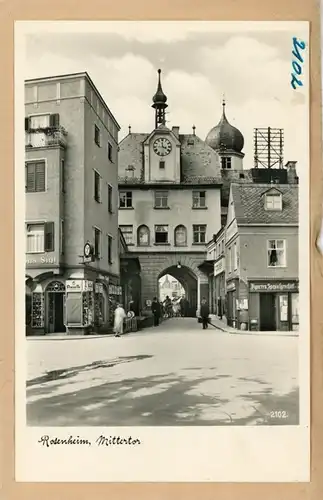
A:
[88,250]
[162,146]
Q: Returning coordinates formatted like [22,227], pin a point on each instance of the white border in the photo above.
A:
[190,454]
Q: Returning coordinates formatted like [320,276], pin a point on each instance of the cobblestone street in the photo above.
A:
[176,374]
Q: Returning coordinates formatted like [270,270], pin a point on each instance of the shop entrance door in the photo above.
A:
[55,295]
[267,312]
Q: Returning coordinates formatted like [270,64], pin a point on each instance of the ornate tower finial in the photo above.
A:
[194,128]
[159,103]
[223,104]
[129,127]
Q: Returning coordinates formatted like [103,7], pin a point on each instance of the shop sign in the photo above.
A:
[277,286]
[219,266]
[231,286]
[115,290]
[98,288]
[74,285]
[87,286]
[40,259]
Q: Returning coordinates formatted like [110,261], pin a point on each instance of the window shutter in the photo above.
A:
[54,120]
[49,237]
[27,124]
[30,177]
[40,177]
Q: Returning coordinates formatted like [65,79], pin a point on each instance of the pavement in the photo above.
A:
[174,375]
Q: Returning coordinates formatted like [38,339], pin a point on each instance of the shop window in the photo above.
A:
[143,236]
[276,250]
[161,199]
[180,236]
[199,233]
[199,199]
[273,201]
[35,177]
[226,162]
[127,232]
[161,235]
[40,237]
[125,199]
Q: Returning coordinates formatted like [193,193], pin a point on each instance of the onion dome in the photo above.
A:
[224,136]
[159,97]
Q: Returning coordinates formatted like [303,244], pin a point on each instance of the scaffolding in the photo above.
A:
[269,145]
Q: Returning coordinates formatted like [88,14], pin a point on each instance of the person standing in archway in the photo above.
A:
[205,311]
[156,310]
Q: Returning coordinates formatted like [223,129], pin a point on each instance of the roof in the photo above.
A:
[199,163]
[249,204]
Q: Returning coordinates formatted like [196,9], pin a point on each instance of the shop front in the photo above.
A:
[274,305]
[231,303]
[79,306]
[219,287]
[115,297]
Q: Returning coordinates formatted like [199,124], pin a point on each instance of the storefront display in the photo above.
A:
[115,297]
[38,310]
[79,304]
[99,305]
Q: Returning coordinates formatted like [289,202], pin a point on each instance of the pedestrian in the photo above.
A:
[182,306]
[156,310]
[204,312]
[119,316]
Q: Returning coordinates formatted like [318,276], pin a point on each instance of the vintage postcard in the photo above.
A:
[162,251]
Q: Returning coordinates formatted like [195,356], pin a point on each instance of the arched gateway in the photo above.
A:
[189,281]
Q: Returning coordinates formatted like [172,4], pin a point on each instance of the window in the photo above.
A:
[62,238]
[127,232]
[143,236]
[273,202]
[35,177]
[161,199]
[199,233]
[97,136]
[226,162]
[162,164]
[161,235]
[199,199]
[125,199]
[40,237]
[97,186]
[276,253]
[63,176]
[110,249]
[110,194]
[234,257]
[110,151]
[97,243]
[180,236]
[130,171]
[39,121]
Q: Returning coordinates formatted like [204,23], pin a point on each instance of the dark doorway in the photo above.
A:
[56,312]
[267,312]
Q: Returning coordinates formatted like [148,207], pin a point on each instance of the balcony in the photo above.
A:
[46,137]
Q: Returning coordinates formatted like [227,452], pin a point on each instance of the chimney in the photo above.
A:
[175,131]
[291,172]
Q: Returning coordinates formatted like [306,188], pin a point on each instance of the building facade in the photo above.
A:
[170,199]
[261,255]
[71,166]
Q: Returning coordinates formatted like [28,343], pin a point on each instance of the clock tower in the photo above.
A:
[159,104]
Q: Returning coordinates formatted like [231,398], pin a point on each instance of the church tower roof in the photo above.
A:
[159,97]
[225,136]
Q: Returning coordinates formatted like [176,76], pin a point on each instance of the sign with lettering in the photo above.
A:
[115,290]
[274,286]
[98,288]
[74,285]
[87,286]
[219,266]
[40,259]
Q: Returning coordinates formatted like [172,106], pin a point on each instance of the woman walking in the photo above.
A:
[119,316]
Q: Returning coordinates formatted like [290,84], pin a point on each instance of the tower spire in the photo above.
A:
[159,103]
[223,106]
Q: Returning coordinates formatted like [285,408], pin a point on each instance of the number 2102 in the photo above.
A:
[278,414]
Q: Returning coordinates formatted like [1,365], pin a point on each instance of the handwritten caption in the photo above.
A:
[49,441]
[297,63]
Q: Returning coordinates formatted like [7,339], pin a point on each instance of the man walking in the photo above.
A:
[156,310]
[205,311]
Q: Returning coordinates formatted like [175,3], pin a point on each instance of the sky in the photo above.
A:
[200,62]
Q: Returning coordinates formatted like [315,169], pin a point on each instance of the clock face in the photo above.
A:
[162,146]
[87,250]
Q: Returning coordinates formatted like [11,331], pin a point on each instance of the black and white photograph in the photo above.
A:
[162,236]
